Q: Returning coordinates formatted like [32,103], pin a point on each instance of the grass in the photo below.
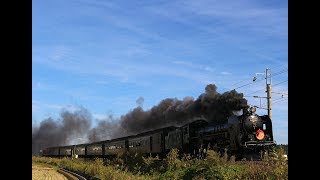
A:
[135,166]
[40,172]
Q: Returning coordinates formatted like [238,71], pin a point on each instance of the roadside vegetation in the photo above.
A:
[214,166]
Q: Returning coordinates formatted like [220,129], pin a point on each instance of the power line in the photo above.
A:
[249,83]
[275,74]
[256,91]
[264,88]
[284,99]
[280,83]
[268,89]
[243,85]
[280,98]
[240,82]
[280,72]
[277,100]
[279,88]
[280,101]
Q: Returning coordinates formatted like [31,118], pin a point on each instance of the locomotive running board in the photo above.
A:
[259,143]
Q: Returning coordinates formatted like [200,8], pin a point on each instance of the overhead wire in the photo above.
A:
[275,85]
[280,72]
[280,101]
[265,88]
[275,74]
[279,83]
[261,79]
[249,83]
[276,101]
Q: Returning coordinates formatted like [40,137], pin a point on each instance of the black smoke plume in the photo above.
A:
[70,126]
[106,129]
[210,105]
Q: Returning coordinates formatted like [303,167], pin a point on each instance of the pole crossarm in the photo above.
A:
[259,97]
[285,93]
[261,108]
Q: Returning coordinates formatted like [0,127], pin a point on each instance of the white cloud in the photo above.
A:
[54,106]
[225,73]
[100,116]
[38,106]
[65,58]
[71,107]
[60,52]
[254,20]
[241,13]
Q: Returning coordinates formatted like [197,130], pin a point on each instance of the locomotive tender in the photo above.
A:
[241,135]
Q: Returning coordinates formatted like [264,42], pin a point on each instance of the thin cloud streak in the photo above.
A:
[90,51]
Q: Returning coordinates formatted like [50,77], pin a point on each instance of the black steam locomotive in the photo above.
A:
[242,136]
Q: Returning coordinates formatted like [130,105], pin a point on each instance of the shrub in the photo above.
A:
[215,166]
[172,159]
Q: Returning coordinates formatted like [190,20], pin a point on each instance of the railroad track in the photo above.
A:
[71,175]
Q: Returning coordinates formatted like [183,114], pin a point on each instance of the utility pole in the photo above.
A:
[268,90]
[269,93]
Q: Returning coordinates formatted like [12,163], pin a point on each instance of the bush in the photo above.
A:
[215,166]
[172,159]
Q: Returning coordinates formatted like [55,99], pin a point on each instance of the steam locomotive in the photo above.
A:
[243,136]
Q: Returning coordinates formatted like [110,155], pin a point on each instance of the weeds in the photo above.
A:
[214,166]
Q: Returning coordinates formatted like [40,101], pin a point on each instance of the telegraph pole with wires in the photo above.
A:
[268,76]
[268,90]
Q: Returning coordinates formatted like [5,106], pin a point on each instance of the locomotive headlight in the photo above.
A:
[260,134]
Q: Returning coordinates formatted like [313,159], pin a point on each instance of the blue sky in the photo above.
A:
[104,55]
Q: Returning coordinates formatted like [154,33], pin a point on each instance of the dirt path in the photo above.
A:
[45,173]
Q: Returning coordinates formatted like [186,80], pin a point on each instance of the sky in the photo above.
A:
[106,55]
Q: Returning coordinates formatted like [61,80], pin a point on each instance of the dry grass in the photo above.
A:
[45,173]
[273,166]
